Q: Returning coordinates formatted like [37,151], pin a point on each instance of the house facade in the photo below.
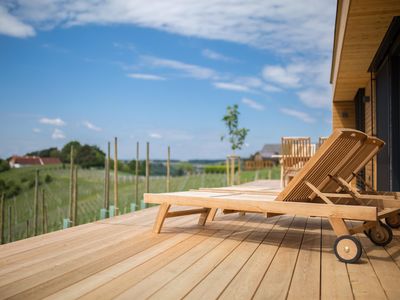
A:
[365,77]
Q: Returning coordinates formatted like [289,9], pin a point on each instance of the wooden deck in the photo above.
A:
[234,257]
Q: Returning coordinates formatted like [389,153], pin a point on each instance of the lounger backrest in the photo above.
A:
[333,155]
[358,161]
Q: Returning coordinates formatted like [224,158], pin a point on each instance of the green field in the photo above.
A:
[91,193]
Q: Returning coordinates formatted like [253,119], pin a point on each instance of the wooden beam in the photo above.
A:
[162,213]
[339,226]
[185,212]
[203,216]
[317,191]
[351,212]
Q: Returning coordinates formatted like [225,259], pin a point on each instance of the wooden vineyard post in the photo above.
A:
[75,197]
[147,167]
[115,176]
[238,175]
[36,205]
[137,200]
[2,215]
[106,204]
[27,228]
[168,168]
[67,222]
[44,213]
[10,231]
[232,170]
[227,171]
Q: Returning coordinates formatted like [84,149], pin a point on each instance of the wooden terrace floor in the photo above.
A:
[234,257]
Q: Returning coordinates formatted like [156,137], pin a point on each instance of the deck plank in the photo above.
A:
[306,278]
[153,273]
[216,281]
[179,277]
[276,282]
[335,282]
[246,281]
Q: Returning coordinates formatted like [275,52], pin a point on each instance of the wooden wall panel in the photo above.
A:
[343,114]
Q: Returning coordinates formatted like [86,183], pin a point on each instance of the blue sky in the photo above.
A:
[163,73]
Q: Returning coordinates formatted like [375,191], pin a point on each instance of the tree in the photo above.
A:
[4,166]
[90,156]
[50,152]
[236,135]
[66,151]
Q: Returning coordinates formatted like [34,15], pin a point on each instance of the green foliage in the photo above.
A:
[4,166]
[50,152]
[237,136]
[215,169]
[10,188]
[90,156]
[66,151]
[48,178]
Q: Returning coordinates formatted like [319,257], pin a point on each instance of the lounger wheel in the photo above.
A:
[347,249]
[393,221]
[380,236]
[366,231]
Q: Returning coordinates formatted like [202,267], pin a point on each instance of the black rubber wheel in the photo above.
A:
[393,221]
[381,237]
[347,249]
[366,231]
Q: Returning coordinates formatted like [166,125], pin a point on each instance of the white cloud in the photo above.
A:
[316,98]
[54,122]
[36,130]
[189,70]
[91,126]
[58,134]
[282,25]
[231,86]
[145,76]
[12,26]
[271,88]
[216,56]
[253,104]
[155,135]
[298,114]
[288,76]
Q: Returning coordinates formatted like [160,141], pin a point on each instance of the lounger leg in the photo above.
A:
[339,226]
[162,213]
[203,216]
[212,214]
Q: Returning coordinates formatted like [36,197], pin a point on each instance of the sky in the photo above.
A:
[163,72]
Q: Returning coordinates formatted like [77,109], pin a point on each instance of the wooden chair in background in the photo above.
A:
[295,151]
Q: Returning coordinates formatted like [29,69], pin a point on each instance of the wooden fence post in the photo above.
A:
[75,207]
[227,171]
[107,179]
[71,184]
[168,168]
[137,177]
[36,205]
[238,175]
[27,228]
[115,176]
[147,167]
[2,216]
[44,213]
[232,170]
[10,223]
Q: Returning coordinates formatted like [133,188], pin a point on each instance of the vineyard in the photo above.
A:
[91,194]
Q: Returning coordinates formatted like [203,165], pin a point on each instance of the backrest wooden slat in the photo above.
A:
[331,157]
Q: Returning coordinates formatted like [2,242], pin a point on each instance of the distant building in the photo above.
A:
[26,161]
[265,158]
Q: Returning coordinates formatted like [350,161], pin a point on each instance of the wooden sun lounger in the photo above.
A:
[306,195]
